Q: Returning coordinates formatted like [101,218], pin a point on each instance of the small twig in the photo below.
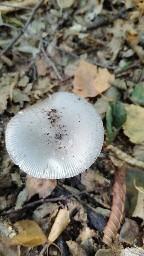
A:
[15,82]
[102,21]
[45,42]
[18,250]
[40,201]
[43,249]
[34,10]
[74,55]
[50,62]
[132,66]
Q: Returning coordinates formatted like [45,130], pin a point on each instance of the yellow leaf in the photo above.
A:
[89,81]
[29,234]
[134,125]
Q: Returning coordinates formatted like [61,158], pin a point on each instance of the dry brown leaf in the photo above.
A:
[61,222]
[75,249]
[134,125]
[129,231]
[89,81]
[91,178]
[49,209]
[132,36]
[4,250]
[86,234]
[42,66]
[43,187]
[29,234]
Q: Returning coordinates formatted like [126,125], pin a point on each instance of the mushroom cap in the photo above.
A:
[59,137]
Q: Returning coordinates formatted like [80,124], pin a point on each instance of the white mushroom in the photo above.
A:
[59,137]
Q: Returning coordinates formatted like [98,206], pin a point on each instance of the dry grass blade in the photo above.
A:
[126,158]
[119,191]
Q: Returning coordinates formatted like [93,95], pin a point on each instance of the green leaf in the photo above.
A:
[138,94]
[118,113]
[115,118]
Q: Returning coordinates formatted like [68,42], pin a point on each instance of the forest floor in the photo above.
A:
[94,48]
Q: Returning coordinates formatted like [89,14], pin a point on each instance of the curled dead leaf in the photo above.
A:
[118,204]
[61,222]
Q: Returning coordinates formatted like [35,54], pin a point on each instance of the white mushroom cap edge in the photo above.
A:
[57,138]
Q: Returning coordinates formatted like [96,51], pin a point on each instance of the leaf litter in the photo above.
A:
[95,49]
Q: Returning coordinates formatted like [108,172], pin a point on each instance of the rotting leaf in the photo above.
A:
[75,249]
[134,125]
[4,250]
[90,81]
[129,231]
[107,252]
[43,187]
[29,234]
[115,118]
